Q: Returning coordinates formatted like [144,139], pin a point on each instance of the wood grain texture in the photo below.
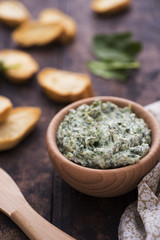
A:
[34,225]
[77,214]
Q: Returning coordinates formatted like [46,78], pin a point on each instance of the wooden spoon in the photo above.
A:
[14,205]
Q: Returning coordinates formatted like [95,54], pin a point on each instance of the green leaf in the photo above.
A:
[108,74]
[133,48]
[114,39]
[113,65]
[110,54]
[116,47]
[117,53]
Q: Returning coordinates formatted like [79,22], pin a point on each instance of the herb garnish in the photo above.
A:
[116,53]
[4,67]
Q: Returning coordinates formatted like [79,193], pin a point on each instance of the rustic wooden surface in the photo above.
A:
[81,216]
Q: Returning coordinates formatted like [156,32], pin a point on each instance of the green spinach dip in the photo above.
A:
[102,135]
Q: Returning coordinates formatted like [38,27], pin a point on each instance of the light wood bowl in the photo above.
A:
[108,182]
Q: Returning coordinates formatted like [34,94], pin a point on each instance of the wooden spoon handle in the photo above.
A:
[35,226]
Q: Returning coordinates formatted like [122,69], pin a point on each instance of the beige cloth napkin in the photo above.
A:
[141,219]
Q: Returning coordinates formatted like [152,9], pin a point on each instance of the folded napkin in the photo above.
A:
[141,219]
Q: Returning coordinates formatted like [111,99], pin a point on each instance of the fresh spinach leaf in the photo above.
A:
[108,74]
[114,47]
[117,40]
[113,65]
[116,55]
[133,48]
[111,54]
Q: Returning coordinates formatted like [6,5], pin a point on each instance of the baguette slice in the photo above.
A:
[13,13]
[24,66]
[109,6]
[51,15]
[63,86]
[36,33]
[5,108]
[19,123]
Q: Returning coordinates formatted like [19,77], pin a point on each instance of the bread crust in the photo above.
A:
[109,6]
[13,13]
[63,86]
[36,33]
[5,107]
[19,123]
[25,65]
[51,15]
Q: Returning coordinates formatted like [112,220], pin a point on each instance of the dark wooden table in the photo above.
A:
[81,216]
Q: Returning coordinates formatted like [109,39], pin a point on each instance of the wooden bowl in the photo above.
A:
[107,182]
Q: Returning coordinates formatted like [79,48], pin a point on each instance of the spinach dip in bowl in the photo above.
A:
[103,135]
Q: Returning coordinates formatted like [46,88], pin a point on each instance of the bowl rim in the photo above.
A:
[56,120]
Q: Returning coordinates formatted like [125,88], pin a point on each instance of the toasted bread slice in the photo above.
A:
[36,33]
[13,13]
[19,123]
[63,86]
[51,15]
[109,6]
[5,107]
[24,66]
